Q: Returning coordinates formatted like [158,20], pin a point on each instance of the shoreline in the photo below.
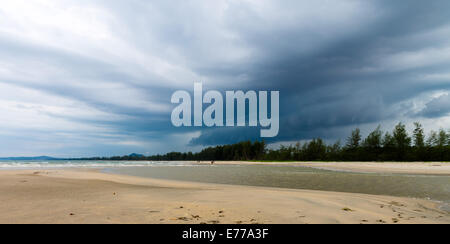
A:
[88,196]
[416,168]
[425,168]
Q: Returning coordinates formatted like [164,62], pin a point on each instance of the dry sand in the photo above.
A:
[82,196]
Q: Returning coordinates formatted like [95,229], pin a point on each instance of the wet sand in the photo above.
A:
[425,168]
[87,196]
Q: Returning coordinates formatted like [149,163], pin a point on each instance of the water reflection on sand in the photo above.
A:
[432,187]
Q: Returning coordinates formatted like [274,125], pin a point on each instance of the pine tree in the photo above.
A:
[419,136]
[402,141]
[432,139]
[374,139]
[419,142]
[354,140]
[442,138]
[388,141]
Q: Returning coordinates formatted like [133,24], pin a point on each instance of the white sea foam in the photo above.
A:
[86,164]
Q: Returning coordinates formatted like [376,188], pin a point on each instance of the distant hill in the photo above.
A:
[40,158]
[135,155]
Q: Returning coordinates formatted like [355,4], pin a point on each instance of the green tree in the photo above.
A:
[372,145]
[432,139]
[441,150]
[402,141]
[388,147]
[316,150]
[388,141]
[354,140]
[448,138]
[419,142]
[298,151]
[333,151]
[442,138]
[419,135]
[374,139]
[352,148]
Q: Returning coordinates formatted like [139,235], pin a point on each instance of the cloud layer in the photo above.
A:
[85,78]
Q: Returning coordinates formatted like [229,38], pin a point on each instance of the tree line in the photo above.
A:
[397,145]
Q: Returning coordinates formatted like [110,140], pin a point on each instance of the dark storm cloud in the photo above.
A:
[360,78]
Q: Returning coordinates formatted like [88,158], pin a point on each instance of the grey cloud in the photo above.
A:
[437,107]
[337,65]
[347,83]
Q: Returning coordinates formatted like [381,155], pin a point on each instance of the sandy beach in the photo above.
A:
[88,196]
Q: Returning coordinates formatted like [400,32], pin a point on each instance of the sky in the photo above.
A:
[95,78]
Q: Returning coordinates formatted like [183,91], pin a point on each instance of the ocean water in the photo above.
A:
[432,187]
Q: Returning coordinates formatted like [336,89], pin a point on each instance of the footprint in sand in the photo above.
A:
[397,204]
[182,218]
[348,210]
